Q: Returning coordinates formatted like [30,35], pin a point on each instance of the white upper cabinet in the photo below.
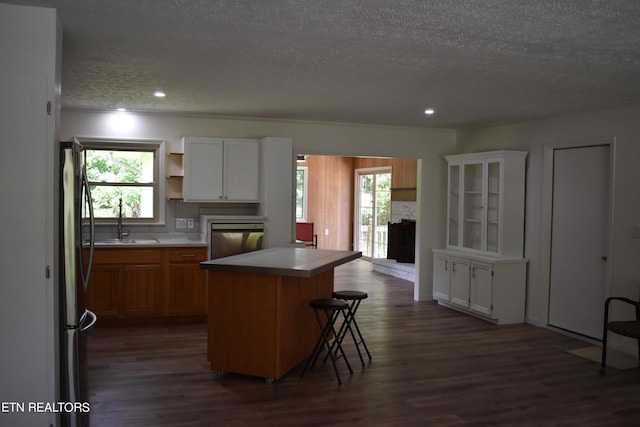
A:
[486,203]
[221,170]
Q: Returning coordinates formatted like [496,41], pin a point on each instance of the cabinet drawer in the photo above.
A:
[127,256]
[196,254]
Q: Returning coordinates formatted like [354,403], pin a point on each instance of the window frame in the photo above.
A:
[158,148]
[305,170]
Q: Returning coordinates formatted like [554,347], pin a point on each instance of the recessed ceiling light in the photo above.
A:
[429,111]
[159,94]
[121,109]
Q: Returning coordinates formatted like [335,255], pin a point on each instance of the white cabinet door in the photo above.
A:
[203,162]
[460,282]
[217,170]
[441,277]
[454,205]
[481,290]
[241,170]
[493,207]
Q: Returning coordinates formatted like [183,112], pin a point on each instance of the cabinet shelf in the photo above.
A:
[174,170]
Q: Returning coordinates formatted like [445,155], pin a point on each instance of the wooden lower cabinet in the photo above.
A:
[142,290]
[104,292]
[147,285]
[187,287]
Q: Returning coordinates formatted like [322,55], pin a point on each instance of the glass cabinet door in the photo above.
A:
[472,210]
[454,205]
[493,207]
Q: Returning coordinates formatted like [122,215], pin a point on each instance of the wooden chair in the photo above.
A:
[304,233]
[627,328]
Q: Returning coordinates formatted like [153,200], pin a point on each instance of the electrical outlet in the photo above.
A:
[190,223]
[181,223]
[326,231]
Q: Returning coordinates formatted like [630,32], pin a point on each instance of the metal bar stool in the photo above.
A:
[331,308]
[355,298]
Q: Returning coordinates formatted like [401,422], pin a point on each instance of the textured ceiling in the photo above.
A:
[476,62]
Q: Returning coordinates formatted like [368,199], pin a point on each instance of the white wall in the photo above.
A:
[619,125]
[429,145]
[277,190]
[29,78]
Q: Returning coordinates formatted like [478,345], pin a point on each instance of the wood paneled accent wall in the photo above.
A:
[330,193]
[404,175]
[404,171]
[330,200]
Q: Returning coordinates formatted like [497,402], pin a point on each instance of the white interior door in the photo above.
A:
[581,185]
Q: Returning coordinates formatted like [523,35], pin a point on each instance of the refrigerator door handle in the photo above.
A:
[92,320]
[92,229]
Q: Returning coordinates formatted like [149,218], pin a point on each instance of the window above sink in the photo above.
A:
[124,169]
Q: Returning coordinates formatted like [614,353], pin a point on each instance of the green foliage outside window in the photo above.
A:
[126,174]
[300,193]
[383,198]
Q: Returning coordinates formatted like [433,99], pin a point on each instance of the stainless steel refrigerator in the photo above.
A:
[76,220]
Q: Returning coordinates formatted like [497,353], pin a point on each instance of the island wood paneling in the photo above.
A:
[261,324]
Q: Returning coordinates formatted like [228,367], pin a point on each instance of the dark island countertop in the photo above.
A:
[298,262]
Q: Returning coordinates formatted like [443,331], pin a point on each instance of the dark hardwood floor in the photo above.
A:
[431,367]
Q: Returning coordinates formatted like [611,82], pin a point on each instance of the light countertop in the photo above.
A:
[143,242]
[297,262]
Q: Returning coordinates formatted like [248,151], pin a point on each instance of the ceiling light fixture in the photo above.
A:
[429,111]
[121,109]
[159,94]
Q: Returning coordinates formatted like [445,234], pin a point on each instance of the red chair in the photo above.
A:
[304,233]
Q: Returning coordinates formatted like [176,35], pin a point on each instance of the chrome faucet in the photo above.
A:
[121,233]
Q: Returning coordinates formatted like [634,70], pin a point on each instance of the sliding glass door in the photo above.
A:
[372,211]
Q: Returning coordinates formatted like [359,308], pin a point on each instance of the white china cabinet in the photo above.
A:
[482,270]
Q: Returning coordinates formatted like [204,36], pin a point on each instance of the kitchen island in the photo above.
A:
[259,320]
